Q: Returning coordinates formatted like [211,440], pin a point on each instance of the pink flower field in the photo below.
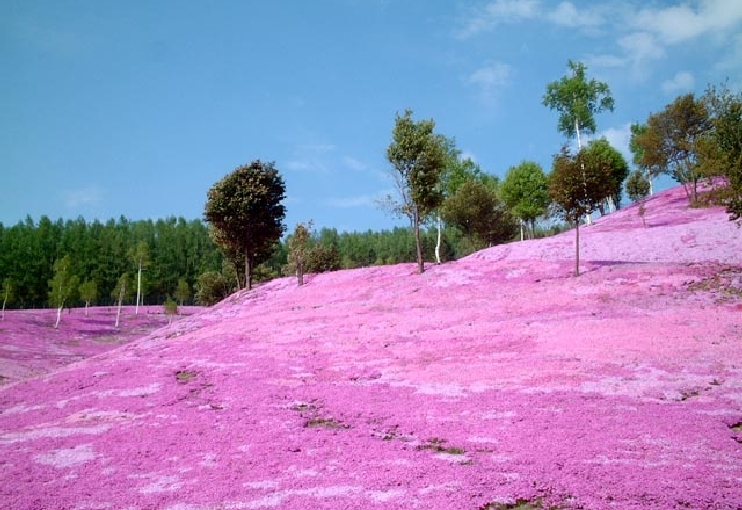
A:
[480,385]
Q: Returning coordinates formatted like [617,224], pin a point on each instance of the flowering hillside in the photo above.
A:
[495,379]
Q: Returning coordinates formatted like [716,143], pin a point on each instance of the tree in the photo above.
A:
[62,286]
[576,189]
[638,187]
[139,256]
[8,293]
[651,172]
[211,287]
[612,165]
[525,192]
[121,292]
[298,244]
[477,212]
[170,308]
[418,157]
[671,140]
[246,212]
[88,293]
[183,291]
[725,109]
[577,100]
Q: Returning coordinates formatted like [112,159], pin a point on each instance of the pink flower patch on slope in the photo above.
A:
[492,379]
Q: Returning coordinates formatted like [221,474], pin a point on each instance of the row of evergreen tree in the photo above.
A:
[177,250]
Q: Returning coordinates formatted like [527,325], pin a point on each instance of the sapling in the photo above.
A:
[8,289]
[171,308]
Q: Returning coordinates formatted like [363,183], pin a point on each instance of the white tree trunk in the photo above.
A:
[438,244]
[521,230]
[86,308]
[59,316]
[2,317]
[139,288]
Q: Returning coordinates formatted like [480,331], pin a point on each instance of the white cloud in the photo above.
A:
[566,14]
[619,139]
[641,46]
[90,195]
[354,164]
[682,22]
[358,201]
[499,11]
[490,78]
[681,82]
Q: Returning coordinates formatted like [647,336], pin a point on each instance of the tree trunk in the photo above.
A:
[521,230]
[300,272]
[438,244]
[248,271]
[139,288]
[577,248]
[420,261]
[118,311]
[86,308]
[59,315]
[533,229]
[3,314]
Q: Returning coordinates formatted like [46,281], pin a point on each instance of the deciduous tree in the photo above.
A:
[638,187]
[576,190]
[525,191]
[8,293]
[211,287]
[298,244]
[120,292]
[62,286]
[88,293]
[139,256]
[182,291]
[245,209]
[671,141]
[610,163]
[418,157]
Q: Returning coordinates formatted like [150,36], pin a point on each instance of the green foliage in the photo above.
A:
[577,185]
[246,213]
[123,291]
[323,258]
[99,252]
[211,287]
[525,192]
[477,212]
[170,306]
[723,151]
[298,245]
[610,163]
[577,100]
[88,291]
[182,291]
[418,157]
[637,186]
[671,141]
[7,291]
[63,286]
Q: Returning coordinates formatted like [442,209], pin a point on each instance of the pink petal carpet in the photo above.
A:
[493,379]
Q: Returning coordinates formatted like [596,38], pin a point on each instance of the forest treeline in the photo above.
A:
[178,249]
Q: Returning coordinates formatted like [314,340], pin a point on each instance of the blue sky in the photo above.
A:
[138,107]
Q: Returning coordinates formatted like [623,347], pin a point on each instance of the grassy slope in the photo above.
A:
[494,378]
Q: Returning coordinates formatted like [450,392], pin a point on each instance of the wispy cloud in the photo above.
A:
[619,138]
[500,11]
[90,195]
[490,79]
[354,164]
[682,22]
[681,82]
[566,14]
[357,201]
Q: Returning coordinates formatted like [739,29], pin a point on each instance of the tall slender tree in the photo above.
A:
[418,157]
[62,286]
[577,100]
[139,256]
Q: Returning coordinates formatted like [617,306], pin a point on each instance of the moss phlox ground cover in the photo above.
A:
[490,382]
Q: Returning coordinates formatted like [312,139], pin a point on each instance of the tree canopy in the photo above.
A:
[418,156]
[525,191]
[577,100]
[246,212]
[671,141]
